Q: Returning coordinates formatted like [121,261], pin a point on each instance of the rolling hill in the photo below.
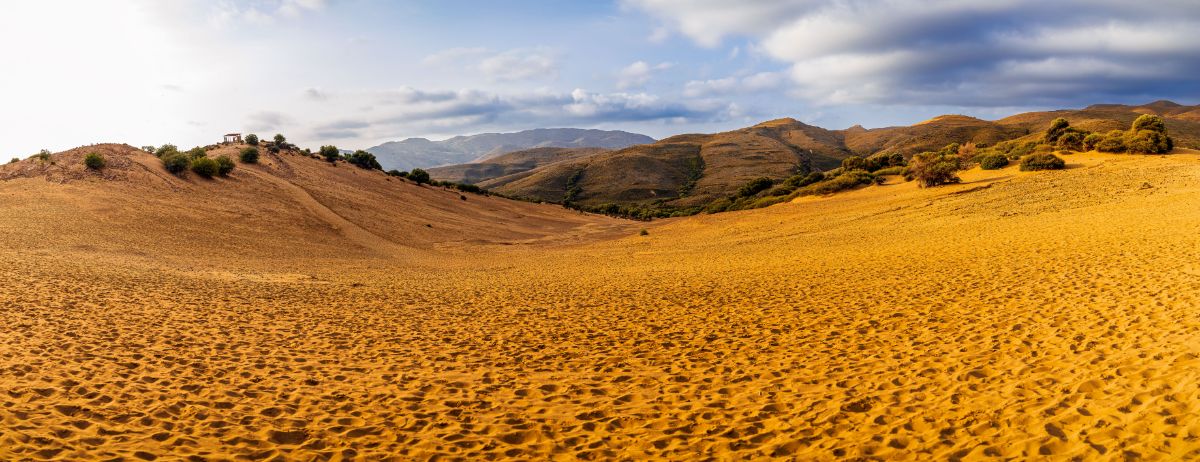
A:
[687,171]
[422,153]
[509,164]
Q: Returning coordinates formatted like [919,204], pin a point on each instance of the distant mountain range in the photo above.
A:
[423,153]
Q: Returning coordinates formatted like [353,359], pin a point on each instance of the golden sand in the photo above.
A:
[1017,315]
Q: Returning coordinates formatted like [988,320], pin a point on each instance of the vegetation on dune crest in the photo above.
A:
[364,159]
[175,162]
[225,165]
[252,139]
[94,161]
[936,168]
[419,175]
[205,167]
[249,156]
[993,162]
[1042,162]
[330,153]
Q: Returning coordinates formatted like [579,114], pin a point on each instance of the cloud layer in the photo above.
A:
[957,52]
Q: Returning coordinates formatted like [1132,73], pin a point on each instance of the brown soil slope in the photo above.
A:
[1017,315]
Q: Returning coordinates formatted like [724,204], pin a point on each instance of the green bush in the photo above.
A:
[1042,162]
[14,160]
[176,162]
[1149,142]
[330,153]
[1114,141]
[94,161]
[1057,128]
[896,170]
[755,186]
[718,206]
[280,140]
[398,173]
[993,162]
[205,167]
[934,168]
[249,156]
[1091,140]
[418,175]
[224,165]
[165,150]
[1149,122]
[853,163]
[847,180]
[364,159]
[1071,141]
[252,140]
[468,188]
[196,153]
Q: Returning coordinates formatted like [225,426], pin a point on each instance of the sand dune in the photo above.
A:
[1017,315]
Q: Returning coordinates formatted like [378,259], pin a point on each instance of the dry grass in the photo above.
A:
[1017,315]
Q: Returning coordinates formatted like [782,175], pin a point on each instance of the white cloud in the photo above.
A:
[760,82]
[639,73]
[521,64]
[951,51]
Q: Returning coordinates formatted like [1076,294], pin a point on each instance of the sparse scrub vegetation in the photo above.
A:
[754,187]
[225,165]
[330,153]
[252,139]
[249,156]
[1042,162]
[94,161]
[993,162]
[176,162]
[166,149]
[196,153]
[936,168]
[420,176]
[205,167]
[364,159]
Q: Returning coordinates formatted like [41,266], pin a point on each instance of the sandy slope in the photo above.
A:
[1018,315]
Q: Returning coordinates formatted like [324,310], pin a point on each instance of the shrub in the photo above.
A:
[365,160]
[1071,141]
[755,186]
[249,156]
[197,152]
[800,181]
[993,162]
[853,163]
[205,167]
[224,165]
[847,180]
[718,206]
[1114,141]
[43,155]
[1042,162]
[1057,128]
[280,140]
[1090,141]
[896,170]
[94,161]
[165,150]
[176,162]
[1149,142]
[149,149]
[14,160]
[1149,122]
[643,232]
[252,139]
[468,188]
[418,175]
[933,169]
[330,153]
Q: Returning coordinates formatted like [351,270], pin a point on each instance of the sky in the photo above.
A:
[356,73]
